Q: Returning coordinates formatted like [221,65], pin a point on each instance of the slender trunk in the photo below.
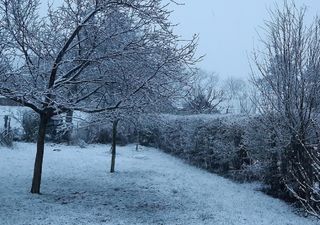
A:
[114,143]
[69,118]
[36,181]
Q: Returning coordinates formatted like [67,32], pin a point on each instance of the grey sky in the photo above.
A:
[227,29]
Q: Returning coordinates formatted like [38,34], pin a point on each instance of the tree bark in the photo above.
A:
[36,181]
[114,144]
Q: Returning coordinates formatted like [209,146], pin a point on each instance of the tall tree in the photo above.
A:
[59,63]
[286,73]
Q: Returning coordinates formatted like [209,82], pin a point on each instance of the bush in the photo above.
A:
[209,142]
[30,124]
[102,133]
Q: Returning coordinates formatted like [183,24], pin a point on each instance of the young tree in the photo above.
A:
[59,63]
[157,97]
[287,76]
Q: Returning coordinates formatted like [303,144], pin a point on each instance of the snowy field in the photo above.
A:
[149,187]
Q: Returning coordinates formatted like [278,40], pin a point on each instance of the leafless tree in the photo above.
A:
[204,95]
[286,73]
[238,95]
[66,60]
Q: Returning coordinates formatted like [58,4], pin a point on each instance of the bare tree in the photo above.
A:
[157,97]
[238,96]
[286,73]
[204,95]
[61,62]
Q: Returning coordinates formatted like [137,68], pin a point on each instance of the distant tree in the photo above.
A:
[65,61]
[238,96]
[286,74]
[204,95]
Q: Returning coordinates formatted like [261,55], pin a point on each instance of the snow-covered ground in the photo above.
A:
[149,187]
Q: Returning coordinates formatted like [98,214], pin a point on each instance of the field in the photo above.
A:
[149,187]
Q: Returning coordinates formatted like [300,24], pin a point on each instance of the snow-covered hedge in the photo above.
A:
[235,146]
[240,147]
[93,132]
[212,142]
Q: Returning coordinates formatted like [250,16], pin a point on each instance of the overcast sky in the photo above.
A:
[227,29]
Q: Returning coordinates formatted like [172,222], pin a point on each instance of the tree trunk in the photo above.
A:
[69,118]
[36,181]
[114,143]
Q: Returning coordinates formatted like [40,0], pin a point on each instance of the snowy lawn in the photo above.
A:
[149,187]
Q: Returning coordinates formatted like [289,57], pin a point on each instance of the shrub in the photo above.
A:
[209,142]
[30,124]
[102,132]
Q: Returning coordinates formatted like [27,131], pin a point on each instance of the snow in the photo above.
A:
[149,187]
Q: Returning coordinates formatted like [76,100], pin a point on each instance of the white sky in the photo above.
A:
[227,29]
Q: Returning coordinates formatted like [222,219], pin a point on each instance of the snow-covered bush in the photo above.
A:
[263,146]
[93,132]
[210,142]
[241,148]
[249,172]
[216,146]
[30,126]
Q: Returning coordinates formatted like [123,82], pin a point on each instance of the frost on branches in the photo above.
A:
[82,53]
[286,74]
